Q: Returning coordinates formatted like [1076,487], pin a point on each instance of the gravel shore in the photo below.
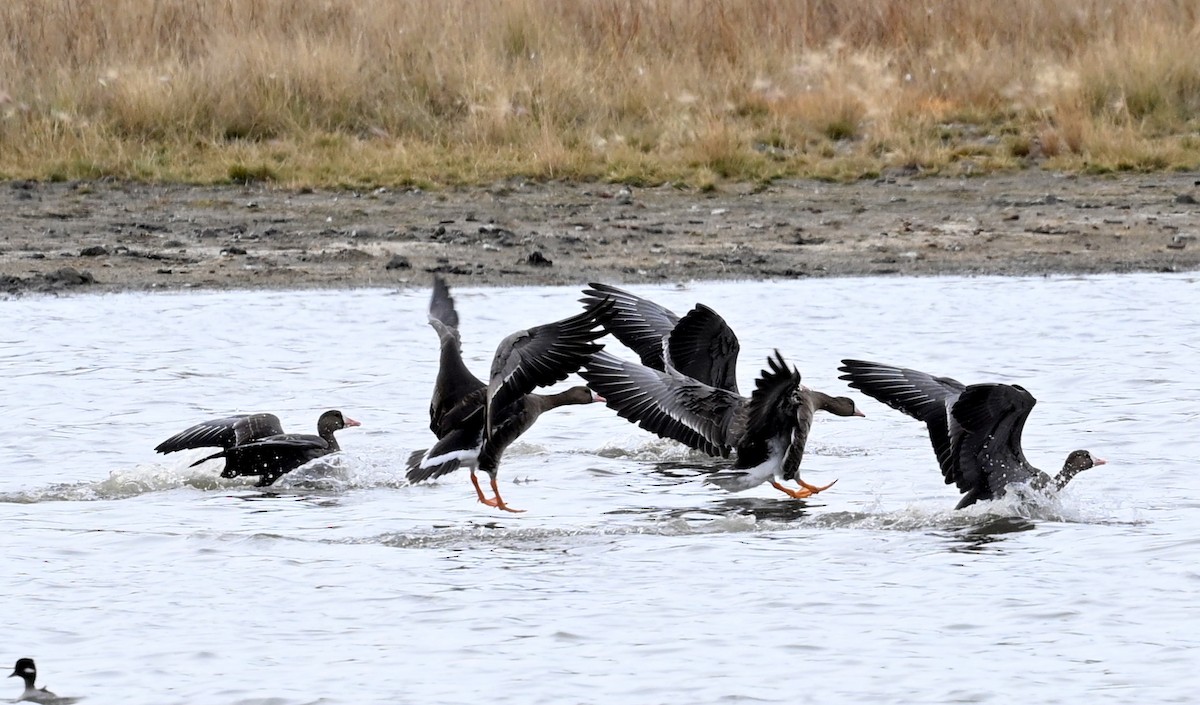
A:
[105,237]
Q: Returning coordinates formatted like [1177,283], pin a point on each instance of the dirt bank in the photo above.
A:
[95,237]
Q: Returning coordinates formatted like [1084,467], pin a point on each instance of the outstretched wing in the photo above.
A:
[667,403]
[921,396]
[541,356]
[640,324]
[987,447]
[705,348]
[223,433]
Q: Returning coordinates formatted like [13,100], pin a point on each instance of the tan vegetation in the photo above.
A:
[459,91]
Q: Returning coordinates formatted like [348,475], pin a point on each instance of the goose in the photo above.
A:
[255,444]
[975,430]
[27,671]
[768,431]
[475,422]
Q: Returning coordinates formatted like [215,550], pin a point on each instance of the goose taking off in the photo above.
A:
[255,444]
[474,422]
[975,430]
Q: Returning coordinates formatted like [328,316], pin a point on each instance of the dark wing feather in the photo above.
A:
[273,457]
[771,411]
[541,356]
[441,304]
[987,447]
[640,324]
[469,413]
[667,403]
[704,347]
[790,467]
[921,396]
[223,433]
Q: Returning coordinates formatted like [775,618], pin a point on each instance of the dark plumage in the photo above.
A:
[769,430]
[255,444]
[975,430]
[223,433]
[27,671]
[701,345]
[474,422]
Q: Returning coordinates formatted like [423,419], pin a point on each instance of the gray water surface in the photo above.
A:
[135,578]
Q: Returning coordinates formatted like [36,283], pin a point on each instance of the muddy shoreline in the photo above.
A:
[105,237]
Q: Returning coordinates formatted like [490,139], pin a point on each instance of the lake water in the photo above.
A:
[133,578]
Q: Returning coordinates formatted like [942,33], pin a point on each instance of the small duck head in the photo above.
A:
[26,670]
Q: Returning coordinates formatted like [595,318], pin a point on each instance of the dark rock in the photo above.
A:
[1185,198]
[11,284]
[69,276]
[1179,242]
[94,251]
[398,262]
[449,269]
[537,259]
[233,250]
[503,233]
[343,255]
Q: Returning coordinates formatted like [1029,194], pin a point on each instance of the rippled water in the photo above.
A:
[133,578]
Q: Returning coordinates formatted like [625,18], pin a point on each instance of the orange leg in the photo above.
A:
[497,502]
[500,502]
[479,491]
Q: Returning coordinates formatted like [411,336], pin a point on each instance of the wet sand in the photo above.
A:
[104,237]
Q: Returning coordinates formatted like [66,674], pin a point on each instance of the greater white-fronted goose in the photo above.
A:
[975,430]
[27,671]
[768,431]
[701,344]
[474,422]
[255,444]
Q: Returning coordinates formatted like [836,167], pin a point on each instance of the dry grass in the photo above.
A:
[457,91]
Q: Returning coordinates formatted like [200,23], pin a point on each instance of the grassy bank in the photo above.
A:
[458,91]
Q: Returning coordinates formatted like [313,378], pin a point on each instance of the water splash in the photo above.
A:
[333,474]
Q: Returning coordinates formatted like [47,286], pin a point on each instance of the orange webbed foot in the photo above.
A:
[794,494]
[813,489]
[500,502]
[496,501]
